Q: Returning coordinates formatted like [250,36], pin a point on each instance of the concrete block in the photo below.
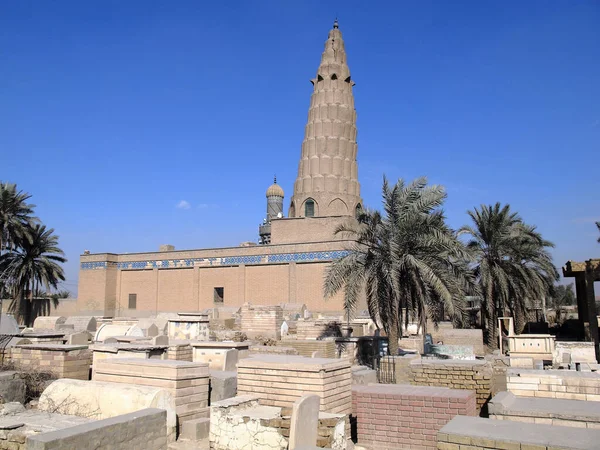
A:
[195,430]
[223,385]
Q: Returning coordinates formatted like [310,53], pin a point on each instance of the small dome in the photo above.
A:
[275,190]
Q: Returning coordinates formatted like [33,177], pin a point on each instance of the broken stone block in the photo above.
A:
[223,385]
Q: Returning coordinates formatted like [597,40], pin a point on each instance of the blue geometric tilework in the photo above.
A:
[94,265]
[225,261]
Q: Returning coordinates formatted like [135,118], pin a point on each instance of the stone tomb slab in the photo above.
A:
[550,411]
[478,433]
[279,380]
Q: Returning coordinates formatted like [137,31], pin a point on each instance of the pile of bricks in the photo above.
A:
[326,348]
[262,320]
[470,375]
[180,352]
[562,384]
[186,381]
[64,361]
[402,416]
[281,380]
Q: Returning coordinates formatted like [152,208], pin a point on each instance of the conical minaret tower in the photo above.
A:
[327,182]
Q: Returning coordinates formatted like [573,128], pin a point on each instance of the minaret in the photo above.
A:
[327,182]
[274,211]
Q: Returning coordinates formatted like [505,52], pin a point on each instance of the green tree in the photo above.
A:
[16,216]
[407,262]
[35,263]
[560,297]
[512,265]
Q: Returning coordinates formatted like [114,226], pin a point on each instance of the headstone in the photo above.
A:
[230,360]
[284,328]
[305,421]
[316,354]
[8,324]
[81,338]
[160,340]
[152,330]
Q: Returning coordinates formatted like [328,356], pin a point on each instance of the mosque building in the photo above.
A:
[289,264]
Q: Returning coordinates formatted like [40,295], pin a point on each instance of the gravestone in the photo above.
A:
[230,360]
[305,421]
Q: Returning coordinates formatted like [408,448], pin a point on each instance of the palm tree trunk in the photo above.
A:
[393,340]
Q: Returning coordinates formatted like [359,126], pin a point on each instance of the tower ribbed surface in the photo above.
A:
[328,172]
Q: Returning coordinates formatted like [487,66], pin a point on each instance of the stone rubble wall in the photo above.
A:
[142,429]
[235,424]
[561,384]
[470,375]
[404,416]
[261,321]
[326,348]
[61,360]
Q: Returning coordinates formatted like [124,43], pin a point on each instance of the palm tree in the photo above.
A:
[15,215]
[407,263]
[512,265]
[33,264]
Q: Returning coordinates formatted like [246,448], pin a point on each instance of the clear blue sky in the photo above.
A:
[113,112]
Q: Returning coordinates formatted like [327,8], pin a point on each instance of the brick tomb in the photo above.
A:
[281,380]
[186,381]
[65,361]
[403,416]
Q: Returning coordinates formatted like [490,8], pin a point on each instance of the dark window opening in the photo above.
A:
[132,301]
[219,295]
[334,77]
[309,208]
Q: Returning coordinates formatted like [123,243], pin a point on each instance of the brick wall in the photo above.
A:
[262,320]
[142,429]
[65,361]
[180,352]
[474,376]
[402,416]
[326,348]
[561,384]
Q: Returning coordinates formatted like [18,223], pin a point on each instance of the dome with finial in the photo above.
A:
[275,190]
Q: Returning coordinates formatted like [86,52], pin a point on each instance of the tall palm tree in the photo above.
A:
[512,265]
[35,263]
[407,263]
[15,215]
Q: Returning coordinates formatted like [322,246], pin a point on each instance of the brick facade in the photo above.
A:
[390,417]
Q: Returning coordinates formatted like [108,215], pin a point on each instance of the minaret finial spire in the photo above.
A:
[336,25]
[275,179]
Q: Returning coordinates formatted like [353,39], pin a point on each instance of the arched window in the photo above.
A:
[334,77]
[357,210]
[309,208]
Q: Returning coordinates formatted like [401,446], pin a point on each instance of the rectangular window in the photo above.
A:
[132,301]
[219,295]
